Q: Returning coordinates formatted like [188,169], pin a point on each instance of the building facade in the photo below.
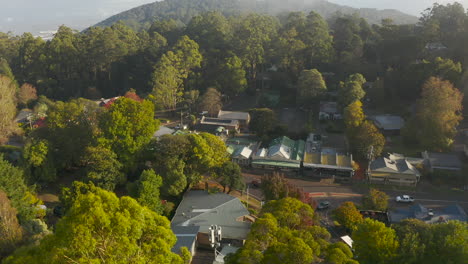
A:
[393,169]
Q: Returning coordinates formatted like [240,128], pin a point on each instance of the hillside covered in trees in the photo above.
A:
[231,53]
[183,10]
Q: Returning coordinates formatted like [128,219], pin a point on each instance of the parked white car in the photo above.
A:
[404,199]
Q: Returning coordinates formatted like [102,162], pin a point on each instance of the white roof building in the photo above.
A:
[262,152]
[244,153]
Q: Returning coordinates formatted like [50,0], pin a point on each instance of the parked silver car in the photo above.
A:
[404,199]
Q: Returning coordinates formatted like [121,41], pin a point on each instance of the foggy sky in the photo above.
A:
[38,15]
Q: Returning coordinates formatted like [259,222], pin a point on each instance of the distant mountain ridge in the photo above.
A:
[184,10]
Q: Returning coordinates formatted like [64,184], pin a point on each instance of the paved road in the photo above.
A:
[344,195]
[441,201]
[337,193]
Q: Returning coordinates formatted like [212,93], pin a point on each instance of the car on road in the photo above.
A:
[404,199]
[181,127]
[323,205]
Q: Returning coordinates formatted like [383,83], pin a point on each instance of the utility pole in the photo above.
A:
[181,120]
[370,158]
[29,118]
[248,196]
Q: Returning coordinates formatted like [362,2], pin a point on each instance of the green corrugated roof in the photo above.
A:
[297,146]
[283,141]
[299,149]
[230,149]
[234,150]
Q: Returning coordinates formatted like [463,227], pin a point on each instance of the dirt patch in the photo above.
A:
[48,198]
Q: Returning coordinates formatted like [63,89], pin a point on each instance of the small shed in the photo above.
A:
[389,124]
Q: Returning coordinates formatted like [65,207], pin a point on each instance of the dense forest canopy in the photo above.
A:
[230,53]
[191,59]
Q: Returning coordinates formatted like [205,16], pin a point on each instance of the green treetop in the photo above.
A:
[148,190]
[310,86]
[102,228]
[351,90]
[375,200]
[126,127]
[374,243]
[348,215]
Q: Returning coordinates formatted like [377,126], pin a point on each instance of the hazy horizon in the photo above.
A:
[412,7]
[34,16]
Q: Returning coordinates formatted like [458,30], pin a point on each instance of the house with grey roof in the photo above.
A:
[241,149]
[393,169]
[430,216]
[24,116]
[283,153]
[213,124]
[388,124]
[242,117]
[241,155]
[200,209]
[163,130]
[435,46]
[186,237]
[441,161]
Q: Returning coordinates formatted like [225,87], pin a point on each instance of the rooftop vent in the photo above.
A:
[430,213]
